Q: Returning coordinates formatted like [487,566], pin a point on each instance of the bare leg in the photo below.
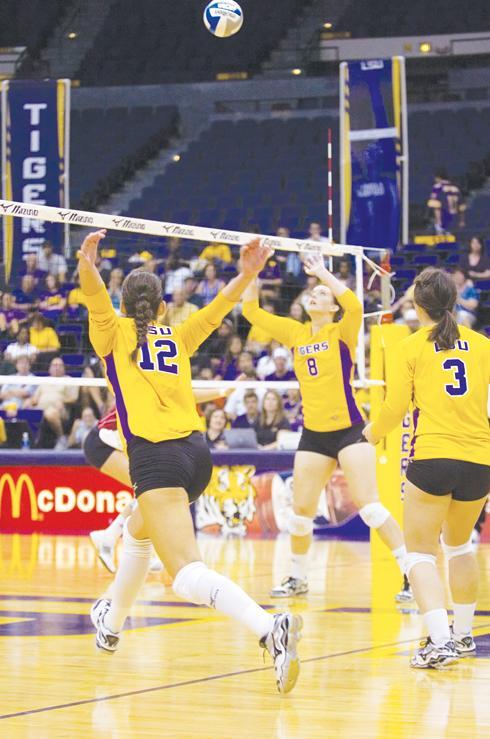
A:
[311,473]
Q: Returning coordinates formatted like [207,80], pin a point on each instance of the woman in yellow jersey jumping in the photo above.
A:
[445,371]
[148,368]
[323,363]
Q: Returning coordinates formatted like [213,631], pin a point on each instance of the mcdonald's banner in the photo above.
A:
[58,500]
[35,161]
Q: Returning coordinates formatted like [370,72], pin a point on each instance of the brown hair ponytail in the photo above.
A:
[435,292]
[142,295]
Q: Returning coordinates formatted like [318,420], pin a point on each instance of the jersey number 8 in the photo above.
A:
[458,367]
[168,350]
[312,366]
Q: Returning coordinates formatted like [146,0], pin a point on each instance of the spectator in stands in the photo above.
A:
[297,311]
[27,296]
[242,365]
[213,350]
[234,348]
[178,310]
[76,299]
[210,286]
[219,254]
[114,288]
[282,359]
[345,273]
[42,336]
[176,272]
[50,261]
[13,397]
[250,419]
[52,301]
[270,280]
[272,420]
[293,410]
[56,402]
[315,232]
[81,427]
[446,204]
[21,347]
[6,366]
[467,302]
[215,425]
[10,316]
[476,264]
[409,317]
[190,287]
[31,267]
[266,365]
[257,338]
[140,258]
[92,397]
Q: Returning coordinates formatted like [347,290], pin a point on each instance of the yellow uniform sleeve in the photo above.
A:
[399,393]
[351,321]
[102,322]
[282,329]
[200,325]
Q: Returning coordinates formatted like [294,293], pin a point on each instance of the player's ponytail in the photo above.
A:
[435,292]
[141,295]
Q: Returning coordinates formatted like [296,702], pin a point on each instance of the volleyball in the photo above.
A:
[223,18]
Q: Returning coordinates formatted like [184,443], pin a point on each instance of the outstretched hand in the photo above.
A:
[253,258]
[88,251]
[314,265]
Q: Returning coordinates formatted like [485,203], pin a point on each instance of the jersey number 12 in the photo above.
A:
[458,367]
[168,350]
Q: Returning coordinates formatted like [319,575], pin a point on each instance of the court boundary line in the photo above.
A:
[196,681]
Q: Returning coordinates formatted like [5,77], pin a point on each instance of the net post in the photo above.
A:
[361,350]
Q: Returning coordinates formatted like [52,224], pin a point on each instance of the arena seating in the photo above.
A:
[108,144]
[162,46]
[29,22]
[377,18]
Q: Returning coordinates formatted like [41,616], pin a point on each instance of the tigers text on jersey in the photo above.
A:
[323,362]
[449,389]
[154,397]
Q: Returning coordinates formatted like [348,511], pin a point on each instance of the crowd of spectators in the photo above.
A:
[43,331]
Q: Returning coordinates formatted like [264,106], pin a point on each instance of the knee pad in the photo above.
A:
[452,552]
[136,547]
[189,585]
[299,525]
[374,515]
[415,558]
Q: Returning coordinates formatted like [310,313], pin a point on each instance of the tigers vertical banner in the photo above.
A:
[374,153]
[35,161]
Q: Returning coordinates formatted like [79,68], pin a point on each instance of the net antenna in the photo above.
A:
[144,227]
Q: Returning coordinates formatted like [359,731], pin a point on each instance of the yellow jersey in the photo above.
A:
[154,398]
[449,391]
[323,362]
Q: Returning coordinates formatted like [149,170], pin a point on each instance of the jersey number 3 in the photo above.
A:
[458,367]
[168,350]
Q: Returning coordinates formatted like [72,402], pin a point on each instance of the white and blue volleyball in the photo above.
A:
[223,18]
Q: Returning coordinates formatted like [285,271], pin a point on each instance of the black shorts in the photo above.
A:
[463,480]
[177,463]
[96,451]
[331,443]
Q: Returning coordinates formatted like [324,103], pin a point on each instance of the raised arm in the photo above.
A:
[280,328]
[200,325]
[102,317]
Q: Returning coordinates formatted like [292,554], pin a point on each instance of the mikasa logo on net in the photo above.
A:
[25,500]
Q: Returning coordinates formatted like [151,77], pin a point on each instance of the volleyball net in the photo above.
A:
[181,255]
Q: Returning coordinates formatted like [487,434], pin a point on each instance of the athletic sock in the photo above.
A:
[438,626]
[463,618]
[197,583]
[299,563]
[114,531]
[130,576]
[400,555]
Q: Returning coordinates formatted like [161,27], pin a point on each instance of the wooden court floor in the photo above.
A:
[184,671]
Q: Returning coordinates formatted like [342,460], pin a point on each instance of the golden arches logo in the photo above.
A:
[16,488]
